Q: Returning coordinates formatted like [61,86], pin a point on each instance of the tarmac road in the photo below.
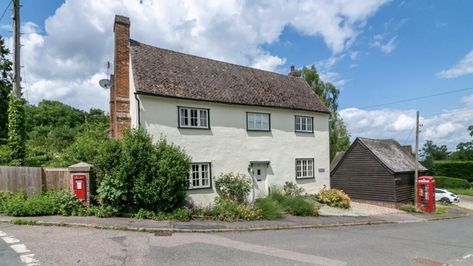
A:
[448,242]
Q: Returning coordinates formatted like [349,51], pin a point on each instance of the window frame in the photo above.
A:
[209,172]
[198,109]
[255,129]
[313,168]
[305,117]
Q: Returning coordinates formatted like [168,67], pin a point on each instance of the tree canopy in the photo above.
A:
[328,94]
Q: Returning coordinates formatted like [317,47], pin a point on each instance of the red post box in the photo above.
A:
[80,187]
[426,193]
[81,182]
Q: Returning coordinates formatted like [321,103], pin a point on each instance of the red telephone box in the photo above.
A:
[426,193]
[80,187]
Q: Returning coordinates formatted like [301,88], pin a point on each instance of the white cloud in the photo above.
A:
[64,62]
[468,100]
[464,67]
[448,128]
[385,47]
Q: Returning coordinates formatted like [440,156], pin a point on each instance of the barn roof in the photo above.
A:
[162,72]
[391,154]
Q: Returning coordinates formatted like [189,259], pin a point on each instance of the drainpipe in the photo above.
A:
[138,106]
[251,172]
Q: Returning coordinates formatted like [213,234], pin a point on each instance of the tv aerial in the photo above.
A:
[106,83]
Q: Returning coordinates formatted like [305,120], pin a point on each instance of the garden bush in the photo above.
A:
[450,182]
[270,209]
[291,189]
[457,169]
[230,211]
[334,198]
[4,197]
[46,203]
[233,187]
[299,206]
[138,174]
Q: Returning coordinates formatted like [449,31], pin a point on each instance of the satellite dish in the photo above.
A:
[105,83]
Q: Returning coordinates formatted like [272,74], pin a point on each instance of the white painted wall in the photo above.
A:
[230,147]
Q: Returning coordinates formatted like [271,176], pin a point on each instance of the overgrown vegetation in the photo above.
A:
[295,205]
[57,135]
[16,130]
[138,174]
[334,198]
[291,189]
[459,191]
[46,203]
[457,169]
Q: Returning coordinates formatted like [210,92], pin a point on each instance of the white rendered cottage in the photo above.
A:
[228,118]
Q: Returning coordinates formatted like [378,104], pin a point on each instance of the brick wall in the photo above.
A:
[119,94]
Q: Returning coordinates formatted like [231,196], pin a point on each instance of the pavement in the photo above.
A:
[205,225]
[445,242]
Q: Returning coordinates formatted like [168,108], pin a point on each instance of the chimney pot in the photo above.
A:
[292,68]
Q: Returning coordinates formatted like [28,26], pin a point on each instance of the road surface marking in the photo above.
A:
[19,248]
[28,258]
[182,239]
[10,240]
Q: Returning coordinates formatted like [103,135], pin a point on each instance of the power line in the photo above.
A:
[5,11]
[417,98]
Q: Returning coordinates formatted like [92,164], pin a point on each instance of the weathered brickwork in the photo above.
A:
[119,95]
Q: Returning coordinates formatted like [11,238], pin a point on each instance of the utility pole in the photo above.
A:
[416,173]
[17,45]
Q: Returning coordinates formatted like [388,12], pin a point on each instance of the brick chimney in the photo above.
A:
[293,72]
[120,92]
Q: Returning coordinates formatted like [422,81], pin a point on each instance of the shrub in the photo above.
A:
[102,211]
[16,130]
[409,208]
[4,197]
[67,203]
[458,169]
[139,174]
[46,203]
[229,210]
[300,207]
[291,189]
[270,209]
[233,187]
[450,182]
[297,205]
[334,198]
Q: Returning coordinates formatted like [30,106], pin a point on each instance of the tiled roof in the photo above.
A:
[167,73]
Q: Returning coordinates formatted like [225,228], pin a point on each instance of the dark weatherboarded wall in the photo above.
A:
[361,176]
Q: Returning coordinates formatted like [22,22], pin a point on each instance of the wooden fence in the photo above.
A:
[33,179]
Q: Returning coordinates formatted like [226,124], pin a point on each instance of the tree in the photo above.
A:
[431,152]
[464,149]
[5,88]
[328,94]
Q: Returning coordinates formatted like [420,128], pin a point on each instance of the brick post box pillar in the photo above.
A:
[80,181]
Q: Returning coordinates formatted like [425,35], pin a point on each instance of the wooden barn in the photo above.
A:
[376,170]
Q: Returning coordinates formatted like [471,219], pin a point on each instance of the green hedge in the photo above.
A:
[458,169]
[450,182]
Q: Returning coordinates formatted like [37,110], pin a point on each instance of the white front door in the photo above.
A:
[260,175]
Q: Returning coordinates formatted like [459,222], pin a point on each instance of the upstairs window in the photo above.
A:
[304,168]
[199,176]
[304,124]
[193,117]
[258,121]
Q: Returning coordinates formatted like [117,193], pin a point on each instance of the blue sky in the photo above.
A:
[375,51]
